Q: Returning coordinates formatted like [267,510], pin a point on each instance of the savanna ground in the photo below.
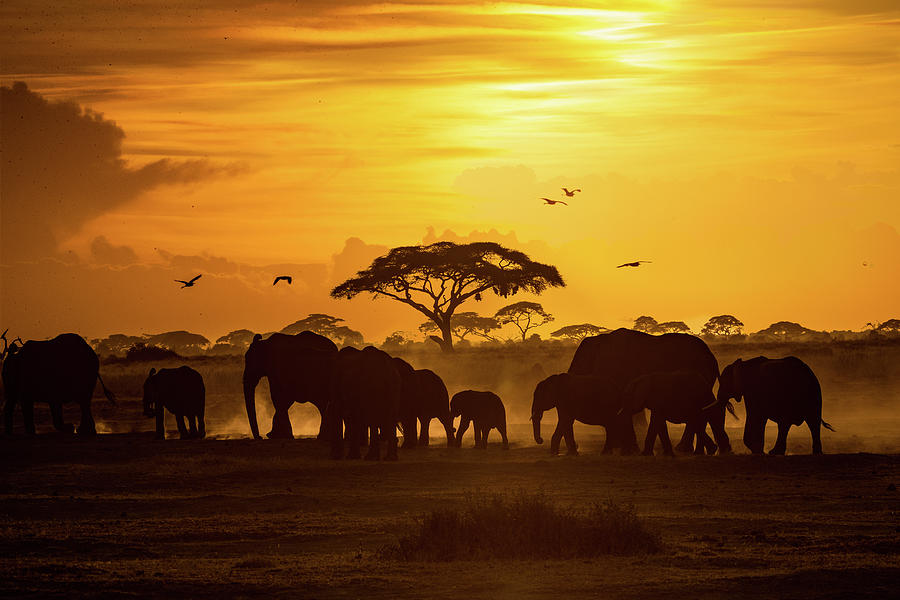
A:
[229,516]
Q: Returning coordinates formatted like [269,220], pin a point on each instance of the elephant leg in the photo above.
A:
[201,425]
[780,446]
[628,440]
[664,438]
[8,413]
[704,442]
[717,424]
[57,413]
[652,431]
[182,428]
[610,442]
[686,445]
[391,432]
[502,430]
[815,430]
[755,433]
[323,425]
[192,426]
[354,433]
[160,423]
[281,425]
[448,429]
[463,426]
[478,433]
[409,432]
[374,452]
[556,437]
[569,435]
[425,423]
[87,427]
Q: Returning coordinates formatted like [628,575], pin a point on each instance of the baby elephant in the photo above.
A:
[180,390]
[676,397]
[485,409]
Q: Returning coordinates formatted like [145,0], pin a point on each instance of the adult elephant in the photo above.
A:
[624,354]
[299,369]
[365,397]
[588,399]
[182,392]
[64,369]
[423,397]
[784,390]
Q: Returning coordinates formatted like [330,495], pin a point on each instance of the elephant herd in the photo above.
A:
[364,395]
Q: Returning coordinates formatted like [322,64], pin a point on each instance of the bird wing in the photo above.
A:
[180,281]
[289,279]
[196,278]
[565,190]
[276,280]
[577,190]
[562,202]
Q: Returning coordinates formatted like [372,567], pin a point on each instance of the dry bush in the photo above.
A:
[523,525]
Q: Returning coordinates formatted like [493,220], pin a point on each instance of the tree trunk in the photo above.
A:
[446,333]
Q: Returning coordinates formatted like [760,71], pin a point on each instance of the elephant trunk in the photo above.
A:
[250,403]
[536,424]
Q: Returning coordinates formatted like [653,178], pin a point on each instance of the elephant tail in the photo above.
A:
[826,424]
[109,395]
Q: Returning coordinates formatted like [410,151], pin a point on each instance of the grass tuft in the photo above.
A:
[523,525]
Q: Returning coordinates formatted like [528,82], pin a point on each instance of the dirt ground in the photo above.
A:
[125,515]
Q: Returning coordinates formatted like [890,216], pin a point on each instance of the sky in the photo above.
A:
[750,150]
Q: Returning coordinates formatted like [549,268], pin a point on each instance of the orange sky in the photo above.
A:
[750,150]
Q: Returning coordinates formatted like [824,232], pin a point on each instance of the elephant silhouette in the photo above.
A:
[423,397]
[365,399]
[624,354]
[299,369]
[784,390]
[64,369]
[182,392]
[673,397]
[483,409]
[588,399]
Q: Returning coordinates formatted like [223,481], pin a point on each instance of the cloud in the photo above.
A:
[62,166]
[105,253]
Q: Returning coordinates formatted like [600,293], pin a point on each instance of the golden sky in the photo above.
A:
[749,148]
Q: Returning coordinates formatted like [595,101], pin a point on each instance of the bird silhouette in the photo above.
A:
[636,263]
[550,202]
[570,193]
[190,283]
[284,277]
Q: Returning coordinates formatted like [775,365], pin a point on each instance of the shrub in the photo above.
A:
[523,525]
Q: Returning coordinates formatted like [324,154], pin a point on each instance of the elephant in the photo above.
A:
[366,390]
[299,369]
[64,369]
[423,397]
[624,354]
[485,410]
[784,390]
[181,391]
[675,397]
[588,399]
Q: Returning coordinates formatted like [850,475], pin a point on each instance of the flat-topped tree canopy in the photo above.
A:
[437,278]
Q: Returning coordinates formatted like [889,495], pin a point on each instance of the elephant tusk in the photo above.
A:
[710,405]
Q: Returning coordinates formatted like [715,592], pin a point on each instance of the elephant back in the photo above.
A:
[625,354]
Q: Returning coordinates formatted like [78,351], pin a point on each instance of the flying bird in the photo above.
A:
[284,277]
[550,202]
[189,283]
[636,263]
[570,193]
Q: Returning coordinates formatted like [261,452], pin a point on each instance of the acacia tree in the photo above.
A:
[722,326]
[328,326]
[674,327]
[523,316]
[436,279]
[578,332]
[463,324]
[646,324]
